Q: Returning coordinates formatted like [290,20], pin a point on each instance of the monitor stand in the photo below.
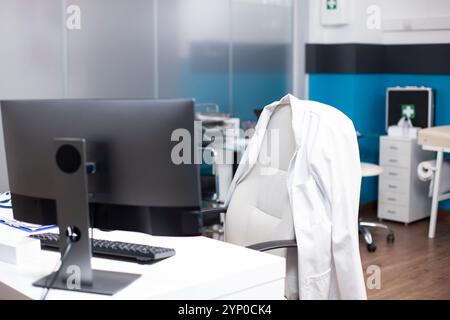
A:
[72,205]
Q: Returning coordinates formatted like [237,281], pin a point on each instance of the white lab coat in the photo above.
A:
[323,181]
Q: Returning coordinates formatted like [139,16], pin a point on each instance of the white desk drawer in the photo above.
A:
[395,198]
[395,146]
[395,159]
[391,185]
[392,212]
[396,173]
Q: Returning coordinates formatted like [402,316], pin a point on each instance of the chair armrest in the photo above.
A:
[209,211]
[272,245]
[211,216]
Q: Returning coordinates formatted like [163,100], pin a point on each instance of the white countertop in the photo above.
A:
[202,268]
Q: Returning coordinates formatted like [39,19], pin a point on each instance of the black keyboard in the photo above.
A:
[113,249]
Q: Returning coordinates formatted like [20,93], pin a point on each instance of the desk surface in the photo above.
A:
[202,268]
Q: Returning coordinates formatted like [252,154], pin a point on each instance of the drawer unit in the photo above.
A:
[395,173]
[395,147]
[392,212]
[392,185]
[401,197]
[395,159]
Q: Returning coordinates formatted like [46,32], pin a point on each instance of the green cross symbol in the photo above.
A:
[331,4]
[409,111]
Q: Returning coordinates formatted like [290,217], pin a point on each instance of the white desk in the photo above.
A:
[202,268]
[436,139]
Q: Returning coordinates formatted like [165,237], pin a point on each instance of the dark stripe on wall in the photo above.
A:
[378,58]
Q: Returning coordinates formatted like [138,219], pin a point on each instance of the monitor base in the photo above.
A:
[103,282]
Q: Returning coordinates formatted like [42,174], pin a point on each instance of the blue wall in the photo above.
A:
[250,90]
[205,87]
[256,90]
[362,98]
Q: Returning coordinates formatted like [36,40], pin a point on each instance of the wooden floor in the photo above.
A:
[414,267]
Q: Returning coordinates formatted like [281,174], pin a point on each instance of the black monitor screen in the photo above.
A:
[137,185]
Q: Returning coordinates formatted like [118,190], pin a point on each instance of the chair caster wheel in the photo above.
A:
[390,238]
[371,247]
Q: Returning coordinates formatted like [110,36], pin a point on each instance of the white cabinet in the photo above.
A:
[402,196]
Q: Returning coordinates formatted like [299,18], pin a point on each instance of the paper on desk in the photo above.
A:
[7,218]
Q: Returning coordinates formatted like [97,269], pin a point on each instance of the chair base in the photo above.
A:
[363,227]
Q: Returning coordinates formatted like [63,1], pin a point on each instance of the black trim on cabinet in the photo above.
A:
[377,58]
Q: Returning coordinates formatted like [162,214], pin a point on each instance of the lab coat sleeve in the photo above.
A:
[337,169]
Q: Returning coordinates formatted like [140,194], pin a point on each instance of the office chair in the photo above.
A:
[259,214]
[368,239]
[372,170]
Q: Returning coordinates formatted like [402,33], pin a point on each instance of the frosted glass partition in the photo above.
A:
[234,53]
[31,59]
[262,53]
[193,50]
[112,55]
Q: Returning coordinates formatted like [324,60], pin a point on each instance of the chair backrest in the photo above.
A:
[259,209]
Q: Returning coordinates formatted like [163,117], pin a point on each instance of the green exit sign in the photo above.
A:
[331,4]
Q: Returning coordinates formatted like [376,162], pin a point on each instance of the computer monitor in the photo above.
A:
[102,163]
[136,186]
